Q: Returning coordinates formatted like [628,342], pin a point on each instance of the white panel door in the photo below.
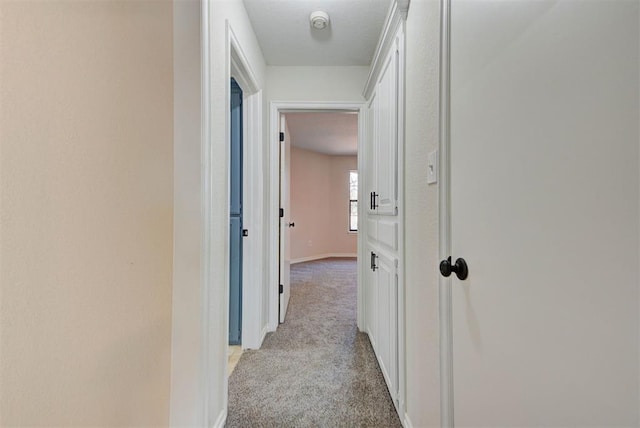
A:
[387,137]
[544,206]
[372,153]
[372,301]
[285,243]
[387,340]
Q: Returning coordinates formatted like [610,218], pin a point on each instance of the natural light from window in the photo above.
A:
[353,201]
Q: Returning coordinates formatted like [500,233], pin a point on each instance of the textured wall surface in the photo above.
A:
[421,214]
[86,106]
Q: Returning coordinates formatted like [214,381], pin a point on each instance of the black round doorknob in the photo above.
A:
[291,225]
[460,268]
[445,267]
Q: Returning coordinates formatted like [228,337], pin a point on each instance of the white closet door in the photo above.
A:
[544,209]
[387,135]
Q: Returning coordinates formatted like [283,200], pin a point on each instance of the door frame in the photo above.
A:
[276,108]
[253,217]
[200,316]
[284,171]
[444,214]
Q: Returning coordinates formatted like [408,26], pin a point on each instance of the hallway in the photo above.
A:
[316,369]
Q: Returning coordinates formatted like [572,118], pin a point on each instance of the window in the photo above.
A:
[353,201]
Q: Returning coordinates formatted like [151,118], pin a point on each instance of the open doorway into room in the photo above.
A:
[316,160]
[319,185]
[246,214]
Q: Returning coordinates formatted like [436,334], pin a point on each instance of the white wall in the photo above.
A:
[233,13]
[316,83]
[421,214]
[194,298]
[86,131]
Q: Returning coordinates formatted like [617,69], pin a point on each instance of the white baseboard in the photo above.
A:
[265,330]
[323,256]
[258,344]
[407,422]
[222,419]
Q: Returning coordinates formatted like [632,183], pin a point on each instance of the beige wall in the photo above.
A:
[186,392]
[86,216]
[421,214]
[320,204]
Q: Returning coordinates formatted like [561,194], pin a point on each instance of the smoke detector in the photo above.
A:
[319,20]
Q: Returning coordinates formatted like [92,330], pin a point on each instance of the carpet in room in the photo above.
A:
[316,370]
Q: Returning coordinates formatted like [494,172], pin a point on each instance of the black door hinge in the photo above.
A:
[245,232]
[281,212]
[281,289]
[282,136]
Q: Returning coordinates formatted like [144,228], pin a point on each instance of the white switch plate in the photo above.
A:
[432,168]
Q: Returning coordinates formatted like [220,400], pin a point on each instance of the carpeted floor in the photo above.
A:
[316,370]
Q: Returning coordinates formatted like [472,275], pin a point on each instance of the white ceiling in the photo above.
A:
[286,37]
[329,133]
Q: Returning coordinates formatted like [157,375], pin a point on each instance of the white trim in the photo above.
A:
[396,15]
[406,423]
[253,216]
[207,329]
[402,375]
[277,107]
[363,120]
[318,107]
[224,311]
[324,256]
[444,233]
[222,419]
[253,220]
[263,334]
[274,219]
[240,67]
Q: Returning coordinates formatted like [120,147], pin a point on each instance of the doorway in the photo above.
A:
[284,227]
[323,165]
[318,190]
[245,176]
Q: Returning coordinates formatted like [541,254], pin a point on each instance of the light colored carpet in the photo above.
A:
[316,370]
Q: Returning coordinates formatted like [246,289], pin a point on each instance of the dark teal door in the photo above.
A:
[235,218]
